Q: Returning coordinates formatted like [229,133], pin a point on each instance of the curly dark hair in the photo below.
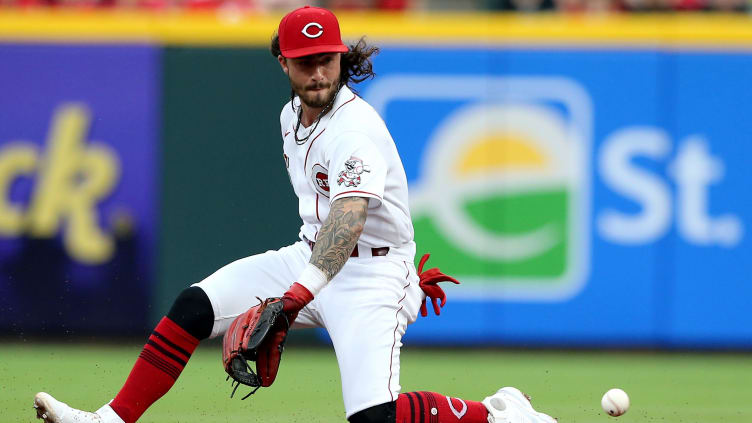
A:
[355,65]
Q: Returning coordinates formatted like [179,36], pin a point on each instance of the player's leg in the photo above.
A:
[379,298]
[508,405]
[156,369]
[165,354]
[365,309]
[201,311]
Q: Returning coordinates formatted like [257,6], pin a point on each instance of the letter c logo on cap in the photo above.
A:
[316,35]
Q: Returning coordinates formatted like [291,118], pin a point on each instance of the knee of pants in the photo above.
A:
[382,413]
[192,311]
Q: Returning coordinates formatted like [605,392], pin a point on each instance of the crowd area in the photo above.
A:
[526,6]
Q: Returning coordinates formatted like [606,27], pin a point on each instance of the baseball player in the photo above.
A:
[352,270]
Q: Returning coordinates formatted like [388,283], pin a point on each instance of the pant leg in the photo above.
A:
[234,288]
[366,309]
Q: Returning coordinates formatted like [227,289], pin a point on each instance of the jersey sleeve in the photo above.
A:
[284,118]
[356,169]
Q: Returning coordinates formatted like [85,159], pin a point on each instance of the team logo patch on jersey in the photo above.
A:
[320,178]
[354,167]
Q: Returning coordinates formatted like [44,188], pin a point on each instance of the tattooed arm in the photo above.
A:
[339,235]
[334,244]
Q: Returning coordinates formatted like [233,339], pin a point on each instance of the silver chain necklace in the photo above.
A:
[302,141]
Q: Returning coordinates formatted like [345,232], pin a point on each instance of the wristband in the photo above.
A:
[313,279]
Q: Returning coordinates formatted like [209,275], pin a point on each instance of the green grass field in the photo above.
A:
[664,387]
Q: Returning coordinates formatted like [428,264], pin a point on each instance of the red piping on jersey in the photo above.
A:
[317,208]
[305,162]
[396,315]
[340,106]
[363,192]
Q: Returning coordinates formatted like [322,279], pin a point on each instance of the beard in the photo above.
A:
[315,99]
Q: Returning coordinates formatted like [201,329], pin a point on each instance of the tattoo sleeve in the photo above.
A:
[339,235]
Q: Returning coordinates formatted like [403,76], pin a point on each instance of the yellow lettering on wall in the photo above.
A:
[84,238]
[72,177]
[16,159]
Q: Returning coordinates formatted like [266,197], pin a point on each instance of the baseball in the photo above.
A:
[615,402]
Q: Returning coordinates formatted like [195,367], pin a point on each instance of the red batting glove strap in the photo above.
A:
[429,284]
[296,298]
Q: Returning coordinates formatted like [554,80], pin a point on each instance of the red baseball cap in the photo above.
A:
[309,30]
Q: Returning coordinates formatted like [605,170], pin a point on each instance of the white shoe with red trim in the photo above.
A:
[53,411]
[510,405]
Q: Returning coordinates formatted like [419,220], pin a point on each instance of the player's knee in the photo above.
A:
[193,312]
[382,413]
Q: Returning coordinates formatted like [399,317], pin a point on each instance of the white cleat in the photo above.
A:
[53,411]
[509,405]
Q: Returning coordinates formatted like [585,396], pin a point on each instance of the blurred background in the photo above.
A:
[526,6]
[582,166]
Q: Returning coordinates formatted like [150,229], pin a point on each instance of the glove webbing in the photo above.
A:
[247,376]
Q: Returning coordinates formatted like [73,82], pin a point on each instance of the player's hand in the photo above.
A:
[294,300]
[429,281]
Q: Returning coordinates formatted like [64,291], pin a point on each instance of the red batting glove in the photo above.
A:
[429,284]
[294,300]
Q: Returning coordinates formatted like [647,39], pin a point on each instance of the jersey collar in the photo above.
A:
[343,96]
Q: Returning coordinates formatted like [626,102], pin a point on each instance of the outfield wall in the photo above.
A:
[586,179]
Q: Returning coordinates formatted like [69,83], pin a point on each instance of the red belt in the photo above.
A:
[375,252]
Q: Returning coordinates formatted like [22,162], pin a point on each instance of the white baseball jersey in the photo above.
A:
[349,154]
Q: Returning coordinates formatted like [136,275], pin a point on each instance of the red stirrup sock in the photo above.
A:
[430,407]
[157,367]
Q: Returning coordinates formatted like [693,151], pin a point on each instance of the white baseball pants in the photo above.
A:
[365,308]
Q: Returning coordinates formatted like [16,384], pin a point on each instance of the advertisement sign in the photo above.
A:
[583,197]
[512,176]
[78,187]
